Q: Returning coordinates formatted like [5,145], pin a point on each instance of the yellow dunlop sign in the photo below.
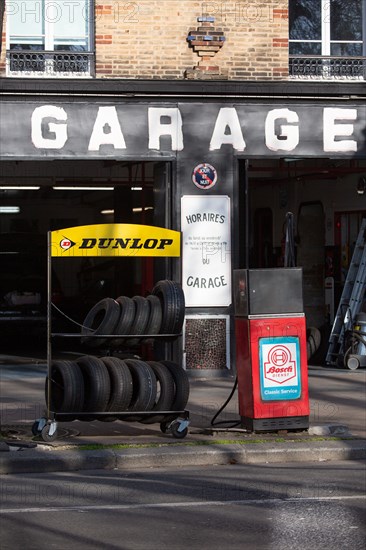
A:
[115,239]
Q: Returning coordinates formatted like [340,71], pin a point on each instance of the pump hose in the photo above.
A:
[223,422]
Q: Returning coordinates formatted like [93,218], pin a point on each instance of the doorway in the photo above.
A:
[37,197]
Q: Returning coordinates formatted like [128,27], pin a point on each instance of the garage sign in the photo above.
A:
[115,240]
[206,266]
[82,128]
[279,363]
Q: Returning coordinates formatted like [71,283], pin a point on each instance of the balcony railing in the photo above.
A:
[327,68]
[55,64]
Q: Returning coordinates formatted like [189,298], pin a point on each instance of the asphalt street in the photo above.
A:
[279,507]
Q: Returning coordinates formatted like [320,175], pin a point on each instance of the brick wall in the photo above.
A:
[147,39]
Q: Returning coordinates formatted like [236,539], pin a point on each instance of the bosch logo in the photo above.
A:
[279,356]
[280,366]
[277,370]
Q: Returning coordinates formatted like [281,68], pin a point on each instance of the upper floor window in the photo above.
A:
[324,32]
[49,37]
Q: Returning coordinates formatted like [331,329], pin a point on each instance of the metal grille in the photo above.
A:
[25,63]
[333,68]
[207,342]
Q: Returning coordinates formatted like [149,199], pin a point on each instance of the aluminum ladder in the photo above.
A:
[351,300]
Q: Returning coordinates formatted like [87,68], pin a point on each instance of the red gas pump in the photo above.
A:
[271,355]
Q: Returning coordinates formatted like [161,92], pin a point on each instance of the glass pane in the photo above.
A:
[305,48]
[305,19]
[346,19]
[71,21]
[70,46]
[25,22]
[34,46]
[344,50]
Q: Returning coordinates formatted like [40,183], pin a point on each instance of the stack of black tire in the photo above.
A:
[92,385]
[160,313]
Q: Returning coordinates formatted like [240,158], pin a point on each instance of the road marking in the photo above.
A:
[87,508]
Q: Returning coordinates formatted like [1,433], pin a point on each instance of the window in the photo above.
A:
[50,37]
[333,29]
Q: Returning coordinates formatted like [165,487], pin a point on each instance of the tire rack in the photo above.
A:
[176,422]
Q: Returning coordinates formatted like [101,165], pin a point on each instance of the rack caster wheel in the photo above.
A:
[178,429]
[38,426]
[46,429]
[49,432]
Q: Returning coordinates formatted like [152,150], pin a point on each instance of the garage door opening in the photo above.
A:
[326,201]
[37,197]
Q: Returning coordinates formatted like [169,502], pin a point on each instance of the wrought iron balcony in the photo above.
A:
[51,64]
[327,68]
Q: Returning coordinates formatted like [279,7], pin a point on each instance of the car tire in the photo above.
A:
[165,392]
[144,388]
[181,382]
[126,319]
[155,318]
[66,389]
[141,320]
[97,385]
[101,319]
[172,301]
[121,387]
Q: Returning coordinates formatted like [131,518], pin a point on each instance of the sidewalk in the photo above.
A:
[337,429]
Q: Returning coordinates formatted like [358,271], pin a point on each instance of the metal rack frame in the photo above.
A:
[176,422]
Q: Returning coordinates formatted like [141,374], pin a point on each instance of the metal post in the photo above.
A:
[49,322]
[246,206]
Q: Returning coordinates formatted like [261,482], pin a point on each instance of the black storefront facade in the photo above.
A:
[197,140]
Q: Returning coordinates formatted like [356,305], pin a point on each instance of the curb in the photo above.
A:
[37,461]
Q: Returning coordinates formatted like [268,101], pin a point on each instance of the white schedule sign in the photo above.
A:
[206,250]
